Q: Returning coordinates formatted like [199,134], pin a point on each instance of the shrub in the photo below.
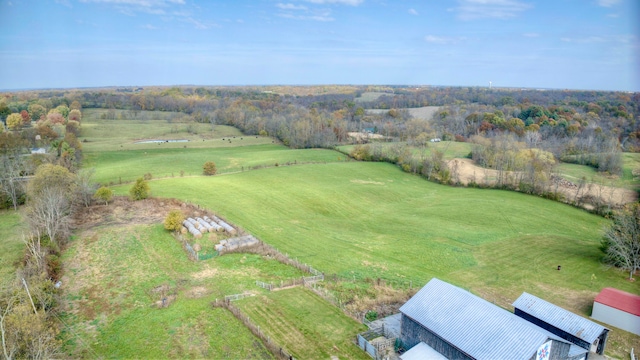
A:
[173,221]
[209,168]
[139,190]
[103,194]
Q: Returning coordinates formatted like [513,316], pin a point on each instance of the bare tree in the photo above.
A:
[621,242]
[85,188]
[8,348]
[50,213]
[11,166]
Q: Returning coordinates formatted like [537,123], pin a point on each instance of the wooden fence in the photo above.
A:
[235,297]
[379,347]
[270,344]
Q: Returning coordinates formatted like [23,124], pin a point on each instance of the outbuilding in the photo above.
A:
[460,325]
[618,308]
[563,323]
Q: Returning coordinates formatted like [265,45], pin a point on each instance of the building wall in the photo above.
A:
[560,333]
[413,333]
[617,318]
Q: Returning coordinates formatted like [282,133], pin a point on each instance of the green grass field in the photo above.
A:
[304,324]
[126,166]
[370,220]
[630,161]
[110,148]
[110,276]
[11,247]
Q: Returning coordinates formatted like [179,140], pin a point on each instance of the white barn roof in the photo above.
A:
[562,319]
[474,325]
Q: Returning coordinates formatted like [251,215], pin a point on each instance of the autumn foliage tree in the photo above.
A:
[14,121]
[75,115]
[36,111]
[26,118]
[173,221]
[209,168]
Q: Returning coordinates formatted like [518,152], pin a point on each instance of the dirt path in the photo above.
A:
[468,172]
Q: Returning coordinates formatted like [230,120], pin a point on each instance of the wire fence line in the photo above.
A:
[269,343]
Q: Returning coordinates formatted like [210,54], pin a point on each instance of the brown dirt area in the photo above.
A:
[468,172]
[122,211]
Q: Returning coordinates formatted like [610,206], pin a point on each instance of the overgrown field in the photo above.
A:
[116,278]
[309,327]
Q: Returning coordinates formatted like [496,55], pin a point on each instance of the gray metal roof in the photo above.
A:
[474,325]
[562,319]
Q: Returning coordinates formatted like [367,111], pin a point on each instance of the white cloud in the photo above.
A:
[324,17]
[341,2]
[149,27]
[413,12]
[608,3]
[442,39]
[499,9]
[531,35]
[586,40]
[613,16]
[290,6]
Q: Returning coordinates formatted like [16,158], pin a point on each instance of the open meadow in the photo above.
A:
[110,147]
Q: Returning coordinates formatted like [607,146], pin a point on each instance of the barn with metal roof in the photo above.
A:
[565,324]
[460,325]
[618,308]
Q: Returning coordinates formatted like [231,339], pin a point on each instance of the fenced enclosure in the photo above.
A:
[274,348]
[377,342]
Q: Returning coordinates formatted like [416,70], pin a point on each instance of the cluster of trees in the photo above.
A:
[27,320]
[621,241]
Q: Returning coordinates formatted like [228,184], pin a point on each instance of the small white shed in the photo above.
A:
[618,308]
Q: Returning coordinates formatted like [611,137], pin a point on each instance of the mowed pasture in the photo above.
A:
[371,220]
[110,147]
[116,276]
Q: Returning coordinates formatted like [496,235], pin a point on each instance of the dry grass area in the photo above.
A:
[466,172]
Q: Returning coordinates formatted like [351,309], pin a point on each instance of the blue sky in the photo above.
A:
[574,44]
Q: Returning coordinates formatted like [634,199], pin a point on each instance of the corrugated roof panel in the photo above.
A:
[472,324]
[562,319]
[620,300]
